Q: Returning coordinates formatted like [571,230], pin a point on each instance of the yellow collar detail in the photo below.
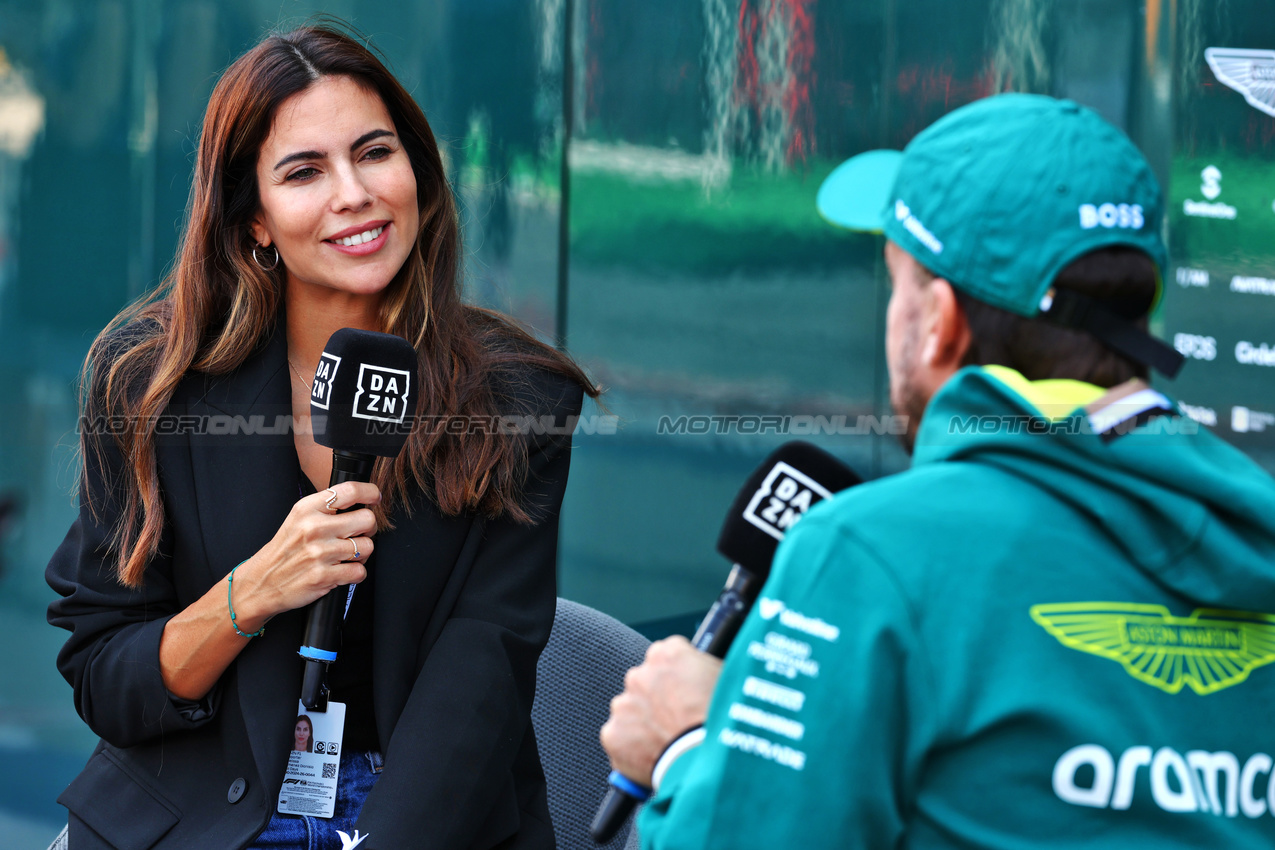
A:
[1055,399]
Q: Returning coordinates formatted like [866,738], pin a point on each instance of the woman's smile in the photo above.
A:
[360,242]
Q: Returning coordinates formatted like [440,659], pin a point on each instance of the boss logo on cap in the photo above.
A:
[783,498]
[321,389]
[1124,216]
[382,393]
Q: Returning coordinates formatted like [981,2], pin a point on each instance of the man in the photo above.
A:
[1046,633]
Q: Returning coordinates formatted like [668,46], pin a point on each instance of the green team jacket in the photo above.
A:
[1037,637]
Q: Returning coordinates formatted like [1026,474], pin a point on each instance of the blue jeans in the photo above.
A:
[301,832]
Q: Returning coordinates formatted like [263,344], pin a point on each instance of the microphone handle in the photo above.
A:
[615,809]
[323,626]
[717,630]
[714,636]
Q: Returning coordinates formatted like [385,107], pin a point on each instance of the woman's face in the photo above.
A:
[332,172]
[301,735]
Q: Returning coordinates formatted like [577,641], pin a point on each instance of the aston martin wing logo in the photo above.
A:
[1249,72]
[1210,650]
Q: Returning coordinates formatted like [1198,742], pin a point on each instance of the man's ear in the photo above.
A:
[948,336]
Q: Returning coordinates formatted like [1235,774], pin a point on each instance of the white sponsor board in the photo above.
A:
[1201,414]
[1245,420]
[1254,354]
[1253,285]
[1250,72]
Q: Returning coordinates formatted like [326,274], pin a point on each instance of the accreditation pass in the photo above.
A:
[309,786]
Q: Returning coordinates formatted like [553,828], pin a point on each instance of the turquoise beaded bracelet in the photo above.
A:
[230,584]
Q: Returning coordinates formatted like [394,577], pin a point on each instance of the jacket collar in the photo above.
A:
[246,481]
[247,478]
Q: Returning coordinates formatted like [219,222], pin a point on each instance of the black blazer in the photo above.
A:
[462,607]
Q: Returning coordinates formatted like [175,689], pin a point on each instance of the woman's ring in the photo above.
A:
[356,548]
[331,503]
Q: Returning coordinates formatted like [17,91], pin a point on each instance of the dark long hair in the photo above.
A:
[217,305]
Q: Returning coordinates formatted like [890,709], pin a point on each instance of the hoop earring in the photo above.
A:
[262,265]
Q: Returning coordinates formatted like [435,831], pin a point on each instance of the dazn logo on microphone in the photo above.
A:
[321,389]
[783,498]
[382,393]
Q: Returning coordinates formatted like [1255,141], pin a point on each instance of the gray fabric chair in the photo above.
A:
[581,669]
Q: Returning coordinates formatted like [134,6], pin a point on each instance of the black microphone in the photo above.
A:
[796,476]
[361,405]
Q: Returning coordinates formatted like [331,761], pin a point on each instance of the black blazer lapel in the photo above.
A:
[245,466]
[247,479]
[420,570]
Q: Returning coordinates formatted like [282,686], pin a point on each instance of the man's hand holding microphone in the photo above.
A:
[663,698]
[661,712]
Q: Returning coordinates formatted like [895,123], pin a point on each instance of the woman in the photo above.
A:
[319,202]
[303,735]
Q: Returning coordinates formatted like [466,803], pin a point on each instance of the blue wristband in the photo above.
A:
[230,584]
[621,782]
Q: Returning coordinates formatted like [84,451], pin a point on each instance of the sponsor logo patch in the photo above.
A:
[1122,216]
[913,225]
[796,621]
[768,608]
[1195,781]
[1209,651]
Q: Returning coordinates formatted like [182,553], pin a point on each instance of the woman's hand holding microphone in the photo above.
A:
[315,550]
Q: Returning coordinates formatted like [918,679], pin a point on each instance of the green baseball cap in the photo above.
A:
[999,196]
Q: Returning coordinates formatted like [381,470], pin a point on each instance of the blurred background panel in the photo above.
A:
[637,180]
[1220,306]
[703,284]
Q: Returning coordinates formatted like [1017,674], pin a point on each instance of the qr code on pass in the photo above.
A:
[329,770]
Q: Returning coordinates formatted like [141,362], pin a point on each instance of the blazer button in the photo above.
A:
[235,794]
